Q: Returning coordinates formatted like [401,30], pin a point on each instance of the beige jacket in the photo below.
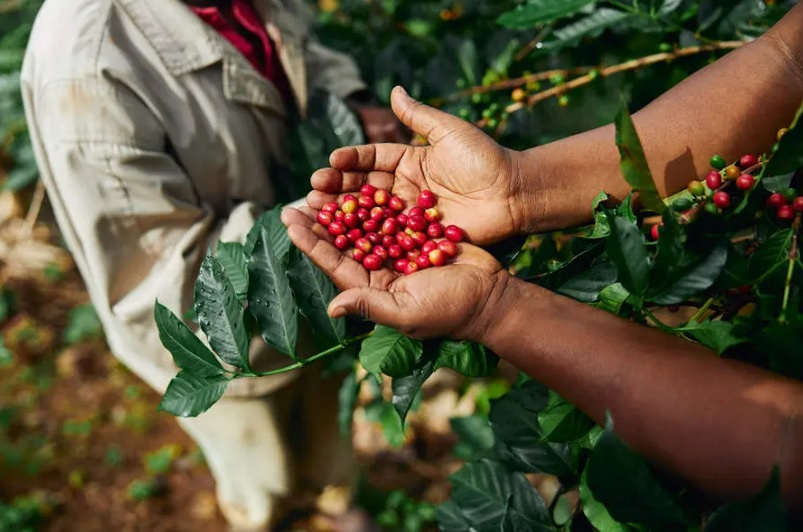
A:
[155,137]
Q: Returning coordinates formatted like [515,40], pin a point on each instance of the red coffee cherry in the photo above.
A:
[374,238]
[381,197]
[367,202]
[378,214]
[342,242]
[423,262]
[413,255]
[428,247]
[370,226]
[798,204]
[380,252]
[411,268]
[339,215]
[402,220]
[389,213]
[388,240]
[776,200]
[420,238]
[435,230]
[330,207]
[732,172]
[354,234]
[372,262]
[395,251]
[337,228]
[416,211]
[437,257]
[351,220]
[396,204]
[786,212]
[426,199]
[363,214]
[655,231]
[400,265]
[364,245]
[454,233]
[416,223]
[349,206]
[722,199]
[713,180]
[358,255]
[745,182]
[748,161]
[405,241]
[432,215]
[325,218]
[390,226]
[349,197]
[368,190]
[448,247]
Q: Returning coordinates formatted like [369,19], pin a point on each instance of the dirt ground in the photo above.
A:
[81,435]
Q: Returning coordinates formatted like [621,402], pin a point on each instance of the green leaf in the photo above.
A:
[83,325]
[347,400]
[188,351]
[601,227]
[560,421]
[231,255]
[21,177]
[451,518]
[700,276]
[789,156]
[406,387]
[587,285]
[468,59]
[779,183]
[385,414]
[595,511]
[627,250]
[612,297]
[475,437]
[467,358]
[390,352]
[765,511]
[314,291]
[537,12]
[633,162]
[771,254]
[220,314]
[483,489]
[716,335]
[189,395]
[270,299]
[591,26]
[622,481]
[276,233]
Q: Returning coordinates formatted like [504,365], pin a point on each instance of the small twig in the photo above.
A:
[698,316]
[790,270]
[34,210]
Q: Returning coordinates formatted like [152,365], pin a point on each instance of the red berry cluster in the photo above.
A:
[379,230]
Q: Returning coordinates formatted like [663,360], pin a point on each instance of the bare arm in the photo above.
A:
[720,424]
[732,107]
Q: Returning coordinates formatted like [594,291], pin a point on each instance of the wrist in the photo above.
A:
[499,305]
[529,193]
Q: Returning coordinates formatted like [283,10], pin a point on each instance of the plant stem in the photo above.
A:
[790,270]
[698,316]
[658,323]
[307,361]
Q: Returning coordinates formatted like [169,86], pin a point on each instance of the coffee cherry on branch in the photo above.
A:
[786,212]
[798,204]
[745,182]
[454,233]
[748,161]
[655,231]
[776,200]
[711,208]
[732,172]
[722,200]
[713,180]
[696,188]
[717,162]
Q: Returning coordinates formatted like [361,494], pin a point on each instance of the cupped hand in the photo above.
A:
[475,179]
[456,300]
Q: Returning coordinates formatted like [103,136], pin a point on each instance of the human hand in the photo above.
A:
[475,179]
[457,301]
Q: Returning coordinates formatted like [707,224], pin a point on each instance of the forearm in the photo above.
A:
[732,107]
[720,424]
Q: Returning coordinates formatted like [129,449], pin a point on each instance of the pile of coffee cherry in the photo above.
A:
[380,232]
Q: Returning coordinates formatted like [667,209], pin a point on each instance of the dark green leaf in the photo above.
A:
[537,12]
[612,297]
[591,26]
[475,437]
[276,233]
[385,414]
[761,513]
[633,162]
[314,291]
[627,250]
[189,352]
[451,518]
[406,388]
[468,59]
[601,227]
[347,400]
[622,481]
[482,491]
[789,156]
[771,255]
[587,285]
[778,183]
[231,256]
[270,299]
[390,352]
[686,282]
[560,421]
[188,395]
[716,335]
[220,313]
[467,358]
[595,511]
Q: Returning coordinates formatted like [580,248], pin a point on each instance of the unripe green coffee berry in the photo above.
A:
[557,79]
[696,188]
[710,207]
[665,47]
[493,123]
[718,162]
[593,74]
[682,204]
[563,101]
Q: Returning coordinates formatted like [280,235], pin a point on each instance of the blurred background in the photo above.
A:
[82,446]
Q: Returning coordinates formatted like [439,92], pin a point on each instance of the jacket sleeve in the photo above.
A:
[332,71]
[127,211]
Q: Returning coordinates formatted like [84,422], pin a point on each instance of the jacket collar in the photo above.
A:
[185,44]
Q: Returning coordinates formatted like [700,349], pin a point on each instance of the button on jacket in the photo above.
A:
[156,138]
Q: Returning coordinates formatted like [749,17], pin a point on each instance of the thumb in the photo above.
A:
[424,120]
[379,306]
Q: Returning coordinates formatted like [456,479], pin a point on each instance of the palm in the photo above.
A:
[470,173]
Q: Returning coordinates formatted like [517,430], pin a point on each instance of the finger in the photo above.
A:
[343,271]
[379,306]
[382,157]
[433,124]
[334,181]
[477,257]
